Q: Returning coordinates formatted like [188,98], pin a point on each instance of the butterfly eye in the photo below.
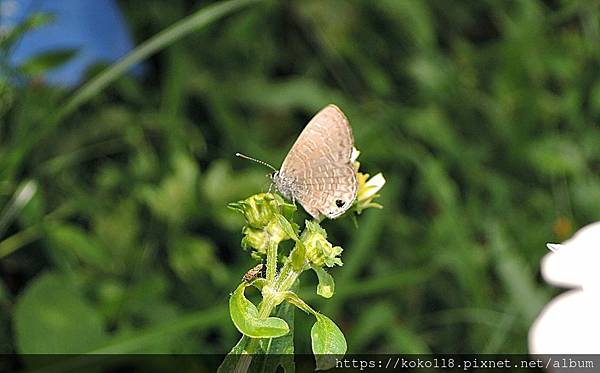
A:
[339,203]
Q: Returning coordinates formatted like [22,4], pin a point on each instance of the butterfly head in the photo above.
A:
[275,180]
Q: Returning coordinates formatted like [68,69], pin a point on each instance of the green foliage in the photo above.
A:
[44,62]
[483,117]
[326,286]
[269,221]
[328,342]
[52,316]
[245,316]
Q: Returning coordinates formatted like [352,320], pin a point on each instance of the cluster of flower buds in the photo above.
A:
[262,227]
[319,251]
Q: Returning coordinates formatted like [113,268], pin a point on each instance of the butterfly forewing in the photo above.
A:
[317,171]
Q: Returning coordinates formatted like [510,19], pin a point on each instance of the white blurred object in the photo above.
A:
[570,323]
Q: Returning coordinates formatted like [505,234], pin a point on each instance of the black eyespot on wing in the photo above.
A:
[339,203]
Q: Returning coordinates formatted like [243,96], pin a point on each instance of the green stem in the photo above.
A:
[287,277]
[283,282]
[18,240]
[32,233]
[271,261]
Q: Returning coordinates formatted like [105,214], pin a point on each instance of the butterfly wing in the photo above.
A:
[331,194]
[319,167]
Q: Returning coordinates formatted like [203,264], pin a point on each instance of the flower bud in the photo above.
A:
[319,251]
[257,209]
[262,228]
[256,239]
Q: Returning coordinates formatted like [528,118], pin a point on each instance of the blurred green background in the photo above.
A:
[482,115]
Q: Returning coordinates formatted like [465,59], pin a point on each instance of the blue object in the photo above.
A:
[95,29]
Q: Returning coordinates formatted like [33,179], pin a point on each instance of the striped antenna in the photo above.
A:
[255,160]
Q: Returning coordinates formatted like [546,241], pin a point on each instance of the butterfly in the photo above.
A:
[317,171]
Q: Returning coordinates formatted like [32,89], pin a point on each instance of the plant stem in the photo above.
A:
[271,261]
[280,283]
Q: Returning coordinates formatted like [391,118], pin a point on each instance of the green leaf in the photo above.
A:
[328,342]
[73,239]
[279,351]
[270,354]
[21,198]
[244,315]
[294,299]
[43,62]
[237,353]
[53,317]
[259,283]
[32,22]
[298,256]
[287,227]
[299,252]
[326,286]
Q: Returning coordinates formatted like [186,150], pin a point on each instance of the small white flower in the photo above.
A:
[372,186]
[570,323]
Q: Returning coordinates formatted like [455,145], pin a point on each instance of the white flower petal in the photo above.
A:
[575,263]
[567,325]
[373,185]
[354,155]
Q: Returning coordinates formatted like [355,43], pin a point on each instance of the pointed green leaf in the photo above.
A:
[45,61]
[326,286]
[298,253]
[298,256]
[286,226]
[244,315]
[34,21]
[328,342]
[237,353]
[294,299]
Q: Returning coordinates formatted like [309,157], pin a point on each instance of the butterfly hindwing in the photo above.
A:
[330,195]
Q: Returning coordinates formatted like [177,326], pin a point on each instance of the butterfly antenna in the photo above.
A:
[255,160]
